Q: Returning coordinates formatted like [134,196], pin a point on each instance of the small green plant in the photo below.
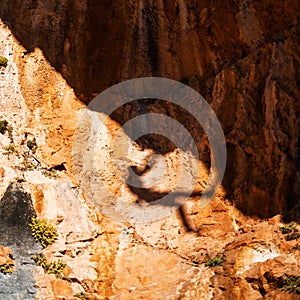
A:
[51,173]
[215,261]
[290,231]
[11,149]
[3,126]
[292,284]
[31,144]
[43,232]
[28,166]
[6,268]
[3,61]
[55,268]
[81,295]
[287,228]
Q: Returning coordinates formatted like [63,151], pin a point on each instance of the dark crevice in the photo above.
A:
[60,167]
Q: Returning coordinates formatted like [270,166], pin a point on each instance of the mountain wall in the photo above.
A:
[241,56]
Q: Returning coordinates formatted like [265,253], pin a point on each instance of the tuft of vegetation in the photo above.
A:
[43,232]
[287,228]
[11,149]
[292,284]
[31,145]
[3,61]
[6,268]
[28,166]
[52,174]
[215,261]
[3,126]
[290,231]
[55,268]
[81,295]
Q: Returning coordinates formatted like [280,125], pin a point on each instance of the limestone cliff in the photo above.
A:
[242,56]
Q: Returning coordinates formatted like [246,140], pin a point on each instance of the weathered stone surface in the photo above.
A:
[242,56]
[16,211]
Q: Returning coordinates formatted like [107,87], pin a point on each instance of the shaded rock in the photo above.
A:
[242,57]
[16,211]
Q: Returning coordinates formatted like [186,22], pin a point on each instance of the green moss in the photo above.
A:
[215,261]
[81,295]
[55,268]
[44,233]
[3,61]
[6,268]
[292,284]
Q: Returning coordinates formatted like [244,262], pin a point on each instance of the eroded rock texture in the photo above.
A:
[242,56]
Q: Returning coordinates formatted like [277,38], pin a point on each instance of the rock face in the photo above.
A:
[16,211]
[5,256]
[242,56]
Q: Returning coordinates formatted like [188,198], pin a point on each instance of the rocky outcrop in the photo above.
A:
[242,56]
